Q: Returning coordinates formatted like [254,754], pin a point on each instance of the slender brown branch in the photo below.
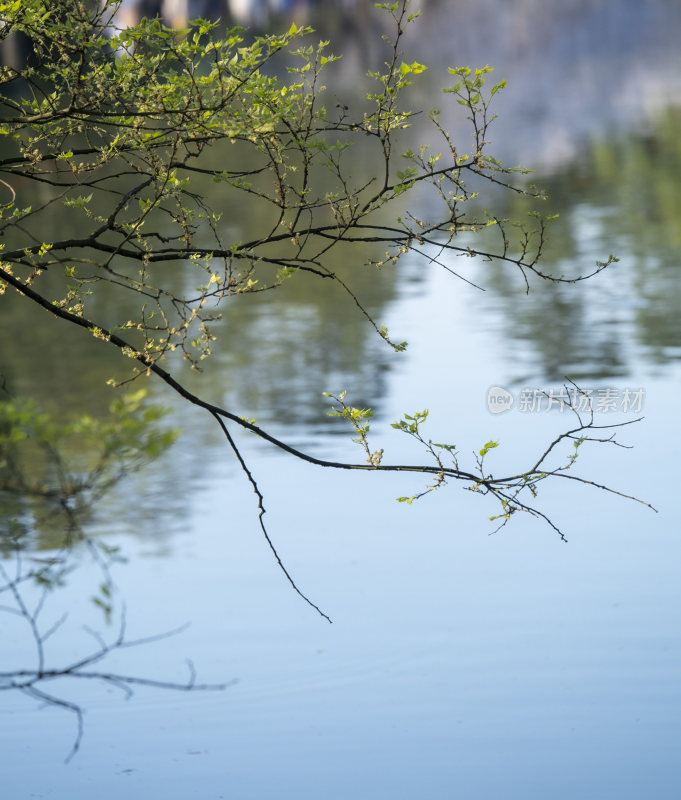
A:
[261,514]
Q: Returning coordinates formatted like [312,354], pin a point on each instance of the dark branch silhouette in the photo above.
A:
[131,126]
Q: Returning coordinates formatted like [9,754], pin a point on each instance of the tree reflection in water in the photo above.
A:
[52,477]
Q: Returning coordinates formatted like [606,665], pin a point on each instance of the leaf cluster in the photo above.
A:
[147,134]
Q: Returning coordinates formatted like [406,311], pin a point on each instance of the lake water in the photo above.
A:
[458,664]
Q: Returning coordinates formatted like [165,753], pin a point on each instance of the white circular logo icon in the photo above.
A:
[499,400]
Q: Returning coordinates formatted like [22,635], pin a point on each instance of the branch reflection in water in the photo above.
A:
[53,475]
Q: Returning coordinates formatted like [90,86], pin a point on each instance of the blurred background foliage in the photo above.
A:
[55,471]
